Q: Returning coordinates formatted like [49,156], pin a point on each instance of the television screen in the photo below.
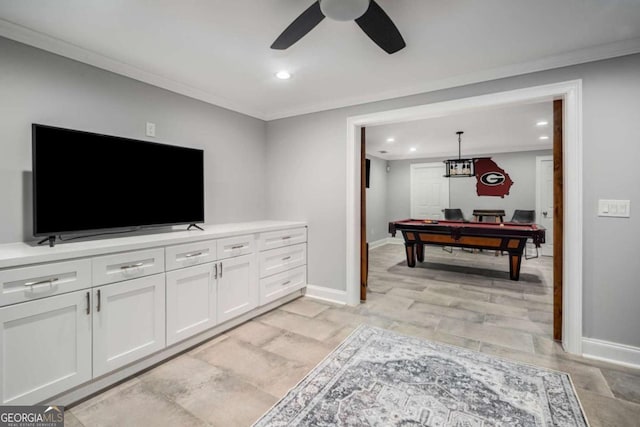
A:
[87,182]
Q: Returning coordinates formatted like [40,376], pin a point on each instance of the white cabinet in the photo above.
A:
[128,322]
[180,256]
[237,286]
[235,246]
[45,347]
[191,301]
[279,285]
[127,265]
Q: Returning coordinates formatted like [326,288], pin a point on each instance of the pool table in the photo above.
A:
[507,236]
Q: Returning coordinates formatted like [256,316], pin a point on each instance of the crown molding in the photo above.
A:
[60,47]
[68,50]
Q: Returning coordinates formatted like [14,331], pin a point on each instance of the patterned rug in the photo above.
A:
[380,378]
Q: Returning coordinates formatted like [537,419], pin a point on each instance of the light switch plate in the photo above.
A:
[151,129]
[614,208]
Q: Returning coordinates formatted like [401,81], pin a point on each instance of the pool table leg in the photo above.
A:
[411,255]
[515,259]
[420,252]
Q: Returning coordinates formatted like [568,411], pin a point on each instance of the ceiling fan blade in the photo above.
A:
[381,29]
[298,28]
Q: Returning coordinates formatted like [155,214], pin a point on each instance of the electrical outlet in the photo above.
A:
[151,129]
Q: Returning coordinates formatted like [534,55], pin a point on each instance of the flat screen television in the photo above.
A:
[87,182]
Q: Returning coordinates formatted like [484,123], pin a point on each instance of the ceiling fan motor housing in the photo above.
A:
[344,10]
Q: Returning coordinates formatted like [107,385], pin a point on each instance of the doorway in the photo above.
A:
[429,190]
[570,92]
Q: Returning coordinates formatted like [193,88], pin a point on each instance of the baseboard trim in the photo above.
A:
[326,294]
[386,241]
[620,354]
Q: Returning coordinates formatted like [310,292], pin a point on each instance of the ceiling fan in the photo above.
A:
[367,14]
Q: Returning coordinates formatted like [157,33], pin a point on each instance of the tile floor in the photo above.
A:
[461,298]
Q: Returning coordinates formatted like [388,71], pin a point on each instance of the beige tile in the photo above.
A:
[135,406]
[490,308]
[435,335]
[300,349]
[604,411]
[524,325]
[305,307]
[341,317]
[454,313]
[268,371]
[255,333]
[458,292]
[312,328]
[524,303]
[624,385]
[208,392]
[491,334]
[70,420]
[422,296]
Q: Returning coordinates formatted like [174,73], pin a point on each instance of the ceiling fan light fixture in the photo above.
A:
[344,10]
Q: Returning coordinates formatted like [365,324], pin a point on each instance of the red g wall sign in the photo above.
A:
[491,179]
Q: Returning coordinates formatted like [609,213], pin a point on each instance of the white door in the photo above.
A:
[429,190]
[191,301]
[128,322]
[544,200]
[237,287]
[45,347]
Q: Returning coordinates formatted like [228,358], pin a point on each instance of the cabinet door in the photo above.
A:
[191,301]
[237,287]
[45,347]
[128,322]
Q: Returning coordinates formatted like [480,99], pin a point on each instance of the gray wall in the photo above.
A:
[39,87]
[520,166]
[376,198]
[307,168]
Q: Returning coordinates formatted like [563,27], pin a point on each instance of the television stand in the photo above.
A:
[50,239]
[196,226]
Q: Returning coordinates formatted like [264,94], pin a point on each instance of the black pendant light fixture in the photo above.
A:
[459,168]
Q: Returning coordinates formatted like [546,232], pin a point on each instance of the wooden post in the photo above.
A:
[364,247]
[558,210]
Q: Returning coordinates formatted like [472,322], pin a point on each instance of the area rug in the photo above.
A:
[377,377]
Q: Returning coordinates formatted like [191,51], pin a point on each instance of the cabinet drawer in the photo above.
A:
[235,246]
[181,256]
[29,283]
[279,260]
[278,239]
[127,265]
[279,285]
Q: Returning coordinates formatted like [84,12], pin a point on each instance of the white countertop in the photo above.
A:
[21,253]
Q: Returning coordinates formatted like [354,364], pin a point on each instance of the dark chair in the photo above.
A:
[453,214]
[525,217]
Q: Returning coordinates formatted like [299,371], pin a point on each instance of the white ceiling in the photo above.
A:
[218,50]
[487,131]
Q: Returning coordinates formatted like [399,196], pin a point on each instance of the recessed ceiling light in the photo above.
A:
[542,123]
[283,75]
[544,138]
[391,140]
[412,149]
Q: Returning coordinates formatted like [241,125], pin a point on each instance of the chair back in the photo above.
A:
[524,216]
[453,214]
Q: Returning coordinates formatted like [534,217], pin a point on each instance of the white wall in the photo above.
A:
[611,130]
[376,198]
[521,167]
[39,87]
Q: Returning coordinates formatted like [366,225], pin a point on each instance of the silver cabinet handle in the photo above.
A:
[221,270]
[88,303]
[286,258]
[237,246]
[286,283]
[193,254]
[286,237]
[137,264]
[215,275]
[42,282]
[98,306]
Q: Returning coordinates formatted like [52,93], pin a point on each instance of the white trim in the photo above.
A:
[46,42]
[611,352]
[326,294]
[386,241]
[571,92]
[545,250]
